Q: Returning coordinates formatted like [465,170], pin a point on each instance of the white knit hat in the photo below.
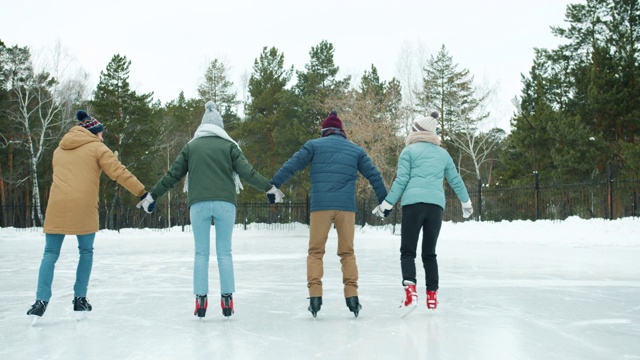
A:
[426,123]
[211,115]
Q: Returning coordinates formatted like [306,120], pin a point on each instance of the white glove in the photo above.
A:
[467,209]
[383,209]
[275,195]
[147,203]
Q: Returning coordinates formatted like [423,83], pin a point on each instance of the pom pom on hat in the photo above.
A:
[82,115]
[211,115]
[332,121]
[426,123]
[89,123]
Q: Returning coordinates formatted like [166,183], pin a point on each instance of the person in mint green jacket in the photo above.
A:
[422,167]
[213,165]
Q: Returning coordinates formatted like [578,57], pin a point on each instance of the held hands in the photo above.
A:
[382,210]
[467,209]
[147,203]
[275,195]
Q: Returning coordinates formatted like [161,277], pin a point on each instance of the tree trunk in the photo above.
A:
[35,193]
[3,203]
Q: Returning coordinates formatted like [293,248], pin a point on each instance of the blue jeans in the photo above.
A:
[47,266]
[224,218]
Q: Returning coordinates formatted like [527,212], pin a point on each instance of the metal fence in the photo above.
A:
[608,199]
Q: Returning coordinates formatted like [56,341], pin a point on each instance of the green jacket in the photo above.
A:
[210,162]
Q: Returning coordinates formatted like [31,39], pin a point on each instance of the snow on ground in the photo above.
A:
[508,290]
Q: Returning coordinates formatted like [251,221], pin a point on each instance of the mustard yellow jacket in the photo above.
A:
[72,208]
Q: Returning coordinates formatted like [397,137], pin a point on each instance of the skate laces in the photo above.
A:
[201,302]
[81,303]
[411,296]
[432,299]
[39,304]
[226,303]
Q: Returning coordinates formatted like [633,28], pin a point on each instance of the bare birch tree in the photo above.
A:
[39,99]
[476,144]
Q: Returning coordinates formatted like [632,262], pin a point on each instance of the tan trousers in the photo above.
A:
[318,233]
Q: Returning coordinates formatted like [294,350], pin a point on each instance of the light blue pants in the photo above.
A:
[224,218]
[47,266]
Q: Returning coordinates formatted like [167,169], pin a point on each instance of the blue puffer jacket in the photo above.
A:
[335,163]
[421,169]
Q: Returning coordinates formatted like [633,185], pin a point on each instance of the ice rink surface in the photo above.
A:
[511,290]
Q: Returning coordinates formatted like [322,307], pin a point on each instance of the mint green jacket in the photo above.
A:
[210,162]
[422,166]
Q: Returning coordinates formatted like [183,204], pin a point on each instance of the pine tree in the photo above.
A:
[585,93]
[265,113]
[448,90]
[218,88]
[131,129]
[319,87]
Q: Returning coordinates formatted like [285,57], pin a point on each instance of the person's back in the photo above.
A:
[335,163]
[334,169]
[210,168]
[427,165]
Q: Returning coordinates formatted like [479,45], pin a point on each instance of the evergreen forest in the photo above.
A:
[577,116]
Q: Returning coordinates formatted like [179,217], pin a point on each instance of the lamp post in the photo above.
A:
[517,104]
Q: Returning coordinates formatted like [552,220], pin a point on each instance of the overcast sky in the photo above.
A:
[170,43]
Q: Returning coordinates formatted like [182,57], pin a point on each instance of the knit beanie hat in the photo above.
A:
[332,121]
[426,123]
[88,122]
[211,115]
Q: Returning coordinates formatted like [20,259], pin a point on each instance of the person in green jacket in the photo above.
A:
[419,181]
[213,165]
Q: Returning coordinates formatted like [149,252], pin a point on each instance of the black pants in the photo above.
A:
[428,219]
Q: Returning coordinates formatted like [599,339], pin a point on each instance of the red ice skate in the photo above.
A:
[201,305]
[226,303]
[432,299]
[410,301]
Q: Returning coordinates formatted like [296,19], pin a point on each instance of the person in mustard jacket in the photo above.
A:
[72,208]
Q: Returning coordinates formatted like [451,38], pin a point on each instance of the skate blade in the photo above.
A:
[356,311]
[81,315]
[406,310]
[34,319]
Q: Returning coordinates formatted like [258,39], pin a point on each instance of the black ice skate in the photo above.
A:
[201,305]
[226,303]
[38,308]
[81,306]
[354,305]
[315,302]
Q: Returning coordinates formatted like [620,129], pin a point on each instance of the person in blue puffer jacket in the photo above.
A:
[335,163]
[422,167]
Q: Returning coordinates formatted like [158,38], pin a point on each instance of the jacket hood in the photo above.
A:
[77,137]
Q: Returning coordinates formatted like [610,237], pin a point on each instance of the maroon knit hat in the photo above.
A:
[332,121]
